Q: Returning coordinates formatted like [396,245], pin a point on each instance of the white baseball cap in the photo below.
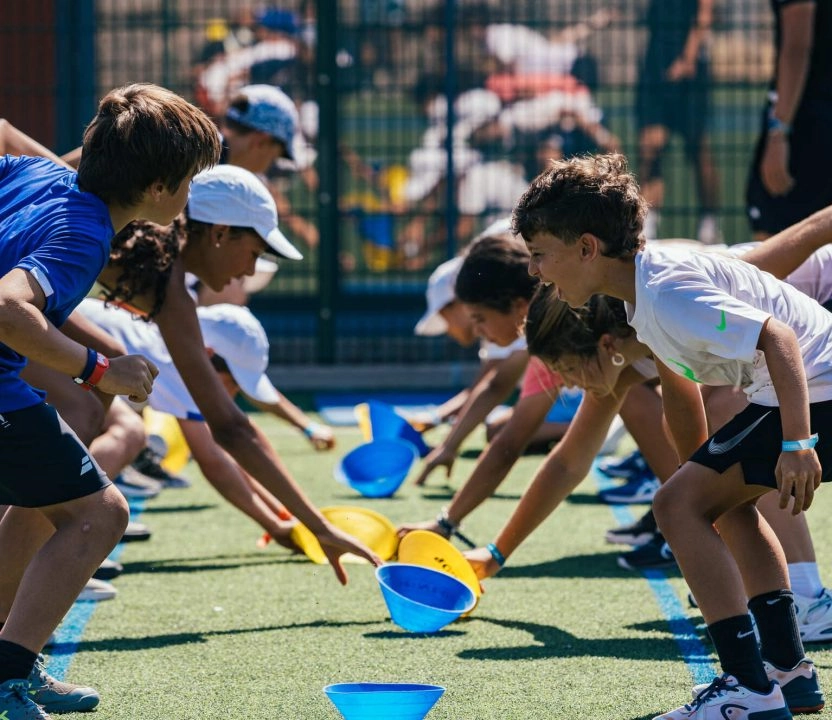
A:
[439,293]
[234,334]
[230,195]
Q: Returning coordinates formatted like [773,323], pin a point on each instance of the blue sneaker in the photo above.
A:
[640,490]
[16,703]
[800,686]
[59,697]
[628,468]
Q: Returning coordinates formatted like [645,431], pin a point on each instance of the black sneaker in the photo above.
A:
[636,533]
[653,555]
[148,463]
[135,532]
[108,570]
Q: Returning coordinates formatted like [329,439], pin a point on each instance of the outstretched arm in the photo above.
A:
[15,142]
[231,428]
[562,471]
[783,253]
[491,391]
[494,464]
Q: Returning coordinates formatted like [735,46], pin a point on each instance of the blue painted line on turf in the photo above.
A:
[71,630]
[696,656]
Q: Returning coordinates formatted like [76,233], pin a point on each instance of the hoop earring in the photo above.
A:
[618,359]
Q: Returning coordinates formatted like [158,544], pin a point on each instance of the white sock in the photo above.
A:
[805,579]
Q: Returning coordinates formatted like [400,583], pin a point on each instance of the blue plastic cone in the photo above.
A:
[385,423]
[383,701]
[421,599]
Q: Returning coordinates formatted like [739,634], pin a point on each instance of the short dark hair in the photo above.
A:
[142,134]
[495,272]
[587,194]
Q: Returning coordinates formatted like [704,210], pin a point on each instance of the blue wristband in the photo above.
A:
[496,554]
[795,445]
[92,358]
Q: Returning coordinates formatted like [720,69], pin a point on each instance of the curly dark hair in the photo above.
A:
[144,252]
[554,330]
[594,194]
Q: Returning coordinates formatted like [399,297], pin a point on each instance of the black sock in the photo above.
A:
[16,662]
[777,624]
[739,654]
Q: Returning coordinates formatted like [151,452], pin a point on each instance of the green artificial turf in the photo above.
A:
[208,626]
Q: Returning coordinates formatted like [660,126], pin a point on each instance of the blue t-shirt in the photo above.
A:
[60,235]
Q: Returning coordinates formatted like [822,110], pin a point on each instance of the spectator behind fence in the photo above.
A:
[789,178]
[672,97]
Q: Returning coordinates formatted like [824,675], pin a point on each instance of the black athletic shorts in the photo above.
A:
[753,438]
[810,155]
[681,106]
[42,461]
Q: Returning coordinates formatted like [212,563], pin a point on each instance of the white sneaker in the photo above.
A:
[814,617]
[726,699]
[96,590]
[799,685]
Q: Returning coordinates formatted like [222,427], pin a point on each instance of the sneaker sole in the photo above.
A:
[622,563]
[627,500]
[620,539]
[806,710]
[82,704]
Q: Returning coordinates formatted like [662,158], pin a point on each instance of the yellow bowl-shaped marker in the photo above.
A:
[423,547]
[368,526]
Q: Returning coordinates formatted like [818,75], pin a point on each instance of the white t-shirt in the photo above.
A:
[141,338]
[701,314]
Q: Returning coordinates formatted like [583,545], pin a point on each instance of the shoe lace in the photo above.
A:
[39,676]
[720,686]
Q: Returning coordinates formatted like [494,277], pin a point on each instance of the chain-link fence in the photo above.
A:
[391,177]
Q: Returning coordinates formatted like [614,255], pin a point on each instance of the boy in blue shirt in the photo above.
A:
[139,155]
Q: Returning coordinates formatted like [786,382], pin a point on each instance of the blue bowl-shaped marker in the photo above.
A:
[383,701]
[421,599]
[377,468]
[385,423]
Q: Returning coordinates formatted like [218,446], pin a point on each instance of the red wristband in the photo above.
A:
[102,364]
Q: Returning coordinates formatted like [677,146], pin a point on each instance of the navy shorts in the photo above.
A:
[752,439]
[42,461]
[681,106]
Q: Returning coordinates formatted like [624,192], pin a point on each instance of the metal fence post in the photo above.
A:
[75,71]
[328,220]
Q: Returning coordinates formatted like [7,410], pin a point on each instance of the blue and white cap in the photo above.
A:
[270,110]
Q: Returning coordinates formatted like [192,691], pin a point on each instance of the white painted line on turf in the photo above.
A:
[71,630]
[696,656]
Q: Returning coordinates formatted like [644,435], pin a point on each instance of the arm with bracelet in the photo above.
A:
[798,470]
[562,471]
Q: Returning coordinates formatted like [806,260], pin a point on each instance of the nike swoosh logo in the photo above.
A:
[722,323]
[686,371]
[741,635]
[716,448]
